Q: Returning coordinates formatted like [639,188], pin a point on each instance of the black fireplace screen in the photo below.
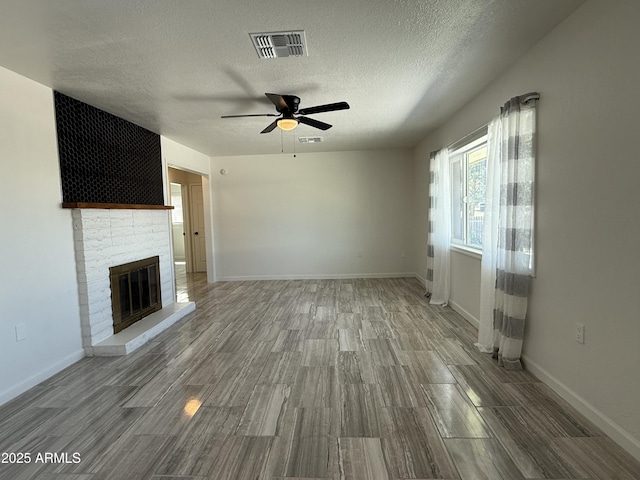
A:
[135,291]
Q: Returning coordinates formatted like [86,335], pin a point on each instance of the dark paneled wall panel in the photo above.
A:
[105,159]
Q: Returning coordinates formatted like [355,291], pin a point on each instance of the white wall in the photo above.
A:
[283,217]
[184,158]
[465,285]
[38,283]
[588,220]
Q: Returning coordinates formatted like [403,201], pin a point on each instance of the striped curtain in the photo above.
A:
[515,228]
[430,213]
[439,233]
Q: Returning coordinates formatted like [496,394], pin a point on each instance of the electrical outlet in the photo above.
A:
[360,253]
[403,253]
[21,331]
[580,333]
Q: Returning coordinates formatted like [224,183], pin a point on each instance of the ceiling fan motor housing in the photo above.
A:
[292,103]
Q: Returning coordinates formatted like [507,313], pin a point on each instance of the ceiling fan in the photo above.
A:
[287,107]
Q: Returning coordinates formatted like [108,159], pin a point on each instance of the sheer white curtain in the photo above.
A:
[438,263]
[490,237]
[509,231]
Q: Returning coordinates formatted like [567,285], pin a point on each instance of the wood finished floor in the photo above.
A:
[327,379]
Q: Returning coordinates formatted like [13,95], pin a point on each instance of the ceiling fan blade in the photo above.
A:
[314,123]
[278,101]
[284,103]
[251,115]
[330,107]
[270,127]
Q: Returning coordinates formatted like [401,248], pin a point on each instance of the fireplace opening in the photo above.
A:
[135,291]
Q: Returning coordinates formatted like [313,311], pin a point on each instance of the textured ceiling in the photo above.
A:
[175,67]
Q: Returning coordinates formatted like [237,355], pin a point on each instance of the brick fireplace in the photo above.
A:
[105,238]
[111,175]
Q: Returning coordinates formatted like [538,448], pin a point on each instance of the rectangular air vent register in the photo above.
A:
[309,139]
[280,44]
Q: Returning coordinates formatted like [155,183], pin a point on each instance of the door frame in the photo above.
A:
[208,213]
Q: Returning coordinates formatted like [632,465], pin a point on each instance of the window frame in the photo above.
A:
[461,154]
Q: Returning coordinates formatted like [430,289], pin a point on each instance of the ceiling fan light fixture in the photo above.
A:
[287,123]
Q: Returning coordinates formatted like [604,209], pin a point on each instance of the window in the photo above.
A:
[468,186]
[176,202]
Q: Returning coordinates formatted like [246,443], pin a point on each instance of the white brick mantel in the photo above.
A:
[105,238]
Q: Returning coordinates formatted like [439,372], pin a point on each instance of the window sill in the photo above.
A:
[470,252]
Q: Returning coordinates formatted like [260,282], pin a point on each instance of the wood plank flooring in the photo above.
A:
[315,379]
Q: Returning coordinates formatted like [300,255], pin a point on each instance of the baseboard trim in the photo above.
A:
[332,276]
[421,278]
[34,380]
[608,426]
[465,314]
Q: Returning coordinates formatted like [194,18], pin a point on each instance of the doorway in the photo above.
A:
[189,233]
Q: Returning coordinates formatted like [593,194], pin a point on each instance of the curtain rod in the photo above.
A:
[525,98]
[468,136]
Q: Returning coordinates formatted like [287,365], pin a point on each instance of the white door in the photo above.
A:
[198,239]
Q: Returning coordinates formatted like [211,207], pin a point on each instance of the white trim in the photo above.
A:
[43,375]
[466,250]
[467,315]
[608,426]
[315,276]
[421,278]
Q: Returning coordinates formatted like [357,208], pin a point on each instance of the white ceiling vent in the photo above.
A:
[309,139]
[280,44]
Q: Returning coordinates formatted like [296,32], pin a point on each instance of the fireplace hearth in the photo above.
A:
[135,291]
